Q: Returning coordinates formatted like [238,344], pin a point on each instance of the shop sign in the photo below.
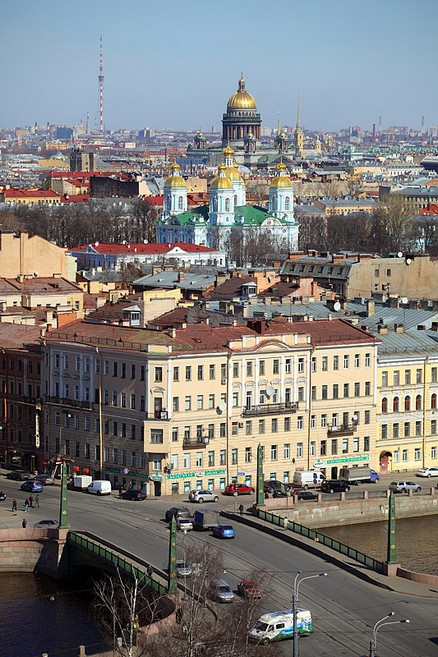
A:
[319,464]
[348,459]
[156,476]
[190,475]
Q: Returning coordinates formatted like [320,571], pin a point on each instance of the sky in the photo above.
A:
[174,64]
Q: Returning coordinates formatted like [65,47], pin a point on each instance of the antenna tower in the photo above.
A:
[100,78]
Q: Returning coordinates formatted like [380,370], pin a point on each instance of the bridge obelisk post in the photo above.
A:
[63,511]
[172,582]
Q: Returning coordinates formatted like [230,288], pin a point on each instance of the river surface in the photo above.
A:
[417,541]
[39,615]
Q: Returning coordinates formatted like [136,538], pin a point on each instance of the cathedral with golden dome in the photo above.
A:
[241,124]
[227,218]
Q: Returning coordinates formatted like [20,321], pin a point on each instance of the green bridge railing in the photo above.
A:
[97,548]
[342,548]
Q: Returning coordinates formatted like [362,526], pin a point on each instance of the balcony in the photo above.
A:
[196,443]
[160,416]
[270,409]
[70,403]
[342,429]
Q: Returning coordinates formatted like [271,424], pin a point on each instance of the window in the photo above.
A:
[286,451]
[262,367]
[418,428]
[324,363]
[142,372]
[275,366]
[200,372]
[419,376]
[335,362]
[335,391]
[200,402]
[132,371]
[299,450]
[198,461]
[433,452]
[407,403]
[367,388]
[274,425]
[235,429]
[234,456]
[158,374]
[301,393]
[323,448]
[367,360]
[396,377]
[287,424]
[434,374]
[433,401]
[418,403]
[261,426]
[405,455]
[288,365]
[235,370]
[313,421]
[248,455]
[176,373]
[300,422]
[188,373]
[385,405]
[407,377]
[115,368]
[356,360]
[313,393]
[346,390]
[323,421]
[433,426]
[235,399]
[396,405]
[211,400]
[249,367]
[210,432]
[324,392]
[133,431]
[384,378]
[384,434]
[313,364]
[312,448]
[334,420]
[175,404]
[222,430]
[123,400]
[223,457]
[355,444]
[366,443]
[274,453]
[334,447]
[211,372]
[187,403]
[187,434]
[300,364]
[407,429]
[186,461]
[346,362]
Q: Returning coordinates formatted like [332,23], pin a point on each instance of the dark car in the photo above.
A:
[32,486]
[177,512]
[248,590]
[305,495]
[272,485]
[133,494]
[45,479]
[18,475]
[3,496]
[47,524]
[334,486]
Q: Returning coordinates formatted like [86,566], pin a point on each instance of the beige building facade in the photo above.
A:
[21,255]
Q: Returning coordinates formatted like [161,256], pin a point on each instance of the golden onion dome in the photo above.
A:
[175,179]
[281,180]
[228,152]
[221,181]
[232,173]
[241,99]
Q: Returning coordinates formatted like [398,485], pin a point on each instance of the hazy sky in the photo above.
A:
[175,63]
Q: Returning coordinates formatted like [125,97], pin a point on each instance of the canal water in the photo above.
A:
[417,541]
[39,615]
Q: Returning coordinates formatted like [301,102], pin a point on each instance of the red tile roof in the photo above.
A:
[30,193]
[15,336]
[141,248]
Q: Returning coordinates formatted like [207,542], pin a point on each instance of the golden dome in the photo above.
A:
[241,99]
[232,173]
[281,181]
[228,152]
[175,179]
[221,181]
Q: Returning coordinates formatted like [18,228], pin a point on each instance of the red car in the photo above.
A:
[248,589]
[240,489]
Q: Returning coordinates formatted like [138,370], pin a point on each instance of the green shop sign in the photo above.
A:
[351,459]
[190,475]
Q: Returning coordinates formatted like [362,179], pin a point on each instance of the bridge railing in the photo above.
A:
[319,537]
[97,548]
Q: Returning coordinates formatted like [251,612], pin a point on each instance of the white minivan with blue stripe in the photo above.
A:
[278,625]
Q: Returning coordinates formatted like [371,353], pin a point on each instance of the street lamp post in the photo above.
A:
[297,583]
[380,623]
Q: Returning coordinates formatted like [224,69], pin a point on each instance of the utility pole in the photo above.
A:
[391,551]
[260,491]
[63,511]
[172,584]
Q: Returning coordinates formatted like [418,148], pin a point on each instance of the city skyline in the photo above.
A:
[348,64]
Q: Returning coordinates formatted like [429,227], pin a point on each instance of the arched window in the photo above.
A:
[433,400]
[407,403]
[385,405]
[227,205]
[235,199]
[418,404]
[214,204]
[180,202]
[287,203]
[396,404]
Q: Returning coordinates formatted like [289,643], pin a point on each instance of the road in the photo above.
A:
[344,608]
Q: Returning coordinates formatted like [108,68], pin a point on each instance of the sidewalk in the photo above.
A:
[397,584]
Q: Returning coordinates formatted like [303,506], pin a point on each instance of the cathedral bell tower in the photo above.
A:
[175,193]
[281,196]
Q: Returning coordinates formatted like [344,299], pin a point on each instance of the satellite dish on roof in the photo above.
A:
[96,243]
[400,254]
[222,406]
[404,300]
[270,391]
[337,306]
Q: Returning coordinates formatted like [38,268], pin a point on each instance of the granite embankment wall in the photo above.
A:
[342,510]
[32,550]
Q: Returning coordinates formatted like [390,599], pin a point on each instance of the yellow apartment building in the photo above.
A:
[187,408]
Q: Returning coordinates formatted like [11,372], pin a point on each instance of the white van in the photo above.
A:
[99,487]
[279,625]
[308,478]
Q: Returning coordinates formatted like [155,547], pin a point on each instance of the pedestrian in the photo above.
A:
[241,509]
[37,501]
[150,570]
[24,523]
[14,504]
[31,501]
[26,505]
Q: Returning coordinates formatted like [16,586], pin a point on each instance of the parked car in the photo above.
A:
[220,591]
[183,569]
[334,486]
[18,475]
[306,495]
[240,489]
[404,486]
[184,524]
[47,524]
[32,486]
[177,512]
[45,479]
[3,496]
[202,496]
[223,531]
[133,494]
[272,485]
[248,589]
[428,472]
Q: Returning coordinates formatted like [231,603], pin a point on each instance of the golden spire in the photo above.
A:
[298,112]
[278,124]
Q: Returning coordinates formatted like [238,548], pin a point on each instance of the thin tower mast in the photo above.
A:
[100,79]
